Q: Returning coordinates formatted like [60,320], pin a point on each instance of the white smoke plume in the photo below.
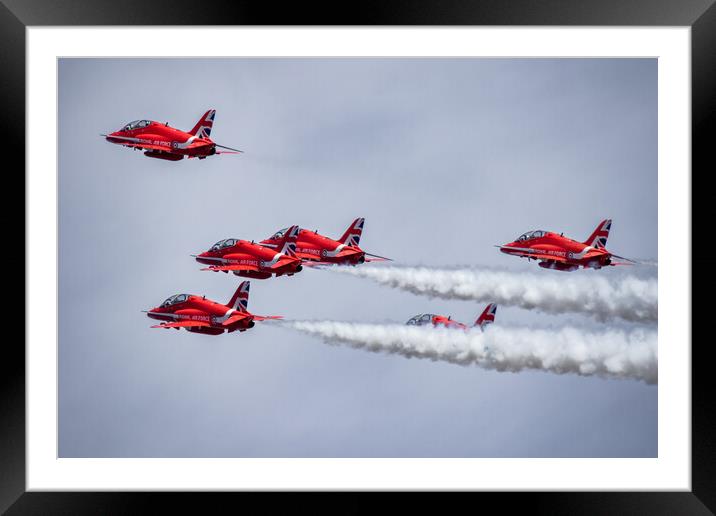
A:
[603,297]
[650,263]
[611,353]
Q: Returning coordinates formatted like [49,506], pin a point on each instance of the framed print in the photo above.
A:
[439,145]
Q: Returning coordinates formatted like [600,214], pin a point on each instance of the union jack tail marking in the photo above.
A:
[598,239]
[287,245]
[240,300]
[202,129]
[487,316]
[353,233]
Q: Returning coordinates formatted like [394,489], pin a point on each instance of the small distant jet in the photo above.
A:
[316,249]
[163,142]
[555,251]
[200,315]
[486,317]
[252,260]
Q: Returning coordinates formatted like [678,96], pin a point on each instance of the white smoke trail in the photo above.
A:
[627,297]
[609,353]
[650,263]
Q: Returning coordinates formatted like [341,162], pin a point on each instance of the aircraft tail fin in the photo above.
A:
[487,316]
[353,233]
[287,244]
[202,129]
[240,300]
[598,239]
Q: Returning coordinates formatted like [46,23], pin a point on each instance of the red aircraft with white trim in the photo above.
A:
[200,315]
[316,249]
[163,142]
[555,251]
[486,317]
[252,260]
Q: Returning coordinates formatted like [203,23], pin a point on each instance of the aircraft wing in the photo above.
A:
[373,257]
[536,254]
[181,324]
[377,258]
[623,258]
[236,317]
[265,317]
[231,267]
[315,263]
[137,143]
[549,257]
[319,264]
[148,146]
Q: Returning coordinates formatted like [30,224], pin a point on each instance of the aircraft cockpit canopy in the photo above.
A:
[137,124]
[532,234]
[177,298]
[222,244]
[420,320]
[279,234]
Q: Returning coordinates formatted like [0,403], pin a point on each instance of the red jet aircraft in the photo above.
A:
[558,252]
[161,141]
[252,260]
[486,317]
[200,315]
[316,249]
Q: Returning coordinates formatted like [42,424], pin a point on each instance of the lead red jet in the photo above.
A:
[200,315]
[163,142]
[316,249]
[252,260]
[555,251]
[486,317]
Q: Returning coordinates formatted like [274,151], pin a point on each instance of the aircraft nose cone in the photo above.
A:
[158,310]
[204,258]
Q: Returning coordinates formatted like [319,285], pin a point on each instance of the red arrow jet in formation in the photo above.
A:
[161,141]
[253,260]
[317,249]
[555,251]
[486,317]
[286,252]
[200,315]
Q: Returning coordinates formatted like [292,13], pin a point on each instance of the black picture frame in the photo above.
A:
[700,15]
